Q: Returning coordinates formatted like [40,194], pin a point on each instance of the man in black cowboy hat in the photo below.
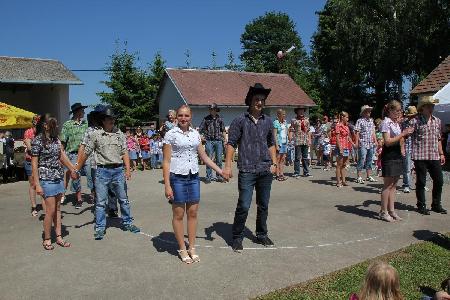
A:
[72,134]
[257,162]
[113,167]
[213,130]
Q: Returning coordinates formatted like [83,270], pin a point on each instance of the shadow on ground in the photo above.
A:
[433,237]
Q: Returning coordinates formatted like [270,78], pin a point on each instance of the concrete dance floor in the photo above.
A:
[317,228]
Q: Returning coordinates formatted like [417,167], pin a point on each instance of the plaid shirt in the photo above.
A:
[301,137]
[72,135]
[426,138]
[366,129]
[408,140]
[212,128]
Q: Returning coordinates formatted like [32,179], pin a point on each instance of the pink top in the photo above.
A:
[29,134]
[132,144]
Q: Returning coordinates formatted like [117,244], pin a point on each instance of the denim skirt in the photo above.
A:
[27,167]
[145,154]
[186,188]
[132,154]
[52,187]
[283,149]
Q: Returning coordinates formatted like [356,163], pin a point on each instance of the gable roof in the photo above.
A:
[436,80]
[35,71]
[229,88]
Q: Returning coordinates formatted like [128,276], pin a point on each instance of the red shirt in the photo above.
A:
[344,133]
[144,143]
[29,134]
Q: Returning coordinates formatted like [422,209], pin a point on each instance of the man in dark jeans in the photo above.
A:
[428,155]
[252,133]
[301,135]
[213,130]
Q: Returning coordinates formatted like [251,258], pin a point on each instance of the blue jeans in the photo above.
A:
[365,159]
[113,179]
[76,184]
[301,150]
[407,164]
[90,176]
[214,147]
[156,160]
[262,183]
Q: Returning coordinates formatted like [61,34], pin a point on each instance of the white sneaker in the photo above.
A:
[360,180]
[371,179]
[63,198]
[406,190]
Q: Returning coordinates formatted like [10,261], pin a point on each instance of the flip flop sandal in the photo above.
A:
[34,212]
[281,178]
[186,259]
[47,246]
[63,244]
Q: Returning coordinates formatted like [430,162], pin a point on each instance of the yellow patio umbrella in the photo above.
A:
[14,117]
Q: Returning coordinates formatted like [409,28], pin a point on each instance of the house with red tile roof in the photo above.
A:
[200,88]
[435,83]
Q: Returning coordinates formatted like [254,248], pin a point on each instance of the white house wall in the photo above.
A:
[169,99]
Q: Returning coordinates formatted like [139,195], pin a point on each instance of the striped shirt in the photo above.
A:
[72,134]
[426,138]
[254,140]
[366,130]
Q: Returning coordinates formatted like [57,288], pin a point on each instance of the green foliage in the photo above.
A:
[422,265]
[366,49]
[133,90]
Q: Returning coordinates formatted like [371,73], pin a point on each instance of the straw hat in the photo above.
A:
[426,100]
[364,108]
[411,111]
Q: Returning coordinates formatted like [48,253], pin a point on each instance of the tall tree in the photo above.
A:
[264,37]
[132,90]
[231,62]
[366,49]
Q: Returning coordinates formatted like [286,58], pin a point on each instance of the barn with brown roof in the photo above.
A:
[200,88]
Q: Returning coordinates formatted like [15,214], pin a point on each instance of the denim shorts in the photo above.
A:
[145,154]
[186,188]
[132,154]
[282,149]
[345,152]
[28,169]
[52,187]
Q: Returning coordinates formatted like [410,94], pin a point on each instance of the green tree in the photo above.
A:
[366,49]
[264,37]
[132,90]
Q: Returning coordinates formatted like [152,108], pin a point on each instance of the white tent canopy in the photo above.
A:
[443,94]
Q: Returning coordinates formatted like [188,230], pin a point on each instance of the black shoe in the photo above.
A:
[423,210]
[439,209]
[237,246]
[265,241]
[207,181]
[79,205]
[219,179]
[112,213]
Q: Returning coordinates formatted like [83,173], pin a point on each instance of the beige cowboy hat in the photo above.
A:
[411,111]
[426,100]
[364,108]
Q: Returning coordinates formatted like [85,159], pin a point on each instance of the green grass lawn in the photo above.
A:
[422,267]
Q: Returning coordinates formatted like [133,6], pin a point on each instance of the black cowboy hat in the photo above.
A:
[257,89]
[214,107]
[108,112]
[76,106]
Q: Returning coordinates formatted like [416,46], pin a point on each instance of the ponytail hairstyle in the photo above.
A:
[392,105]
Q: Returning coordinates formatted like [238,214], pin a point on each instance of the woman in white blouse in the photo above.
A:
[182,147]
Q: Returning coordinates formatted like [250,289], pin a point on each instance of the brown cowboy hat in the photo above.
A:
[426,100]
[411,111]
[257,89]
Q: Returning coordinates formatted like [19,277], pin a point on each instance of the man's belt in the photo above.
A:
[110,166]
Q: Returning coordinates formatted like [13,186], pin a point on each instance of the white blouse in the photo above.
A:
[184,150]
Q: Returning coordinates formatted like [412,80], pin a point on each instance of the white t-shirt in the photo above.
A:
[184,150]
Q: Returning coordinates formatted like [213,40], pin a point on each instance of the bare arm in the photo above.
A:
[275,132]
[35,172]
[167,154]
[229,154]
[207,160]
[126,162]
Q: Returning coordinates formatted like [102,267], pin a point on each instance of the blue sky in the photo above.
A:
[82,33]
